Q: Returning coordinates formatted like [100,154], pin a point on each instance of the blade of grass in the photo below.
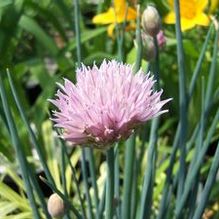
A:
[198,147]
[208,185]
[149,175]
[135,192]
[86,185]
[206,105]
[75,180]
[165,201]
[77,30]
[33,180]
[102,202]
[30,25]
[194,171]
[78,49]
[117,180]
[86,35]
[51,17]
[165,195]
[31,133]
[182,101]
[138,41]
[7,193]
[90,156]
[63,168]
[137,170]
[129,162]
[19,151]
[212,72]
[36,187]
[109,209]
[130,145]
[199,63]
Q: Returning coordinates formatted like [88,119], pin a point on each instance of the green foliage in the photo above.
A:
[161,171]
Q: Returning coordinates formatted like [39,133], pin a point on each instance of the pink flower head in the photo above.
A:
[161,39]
[106,104]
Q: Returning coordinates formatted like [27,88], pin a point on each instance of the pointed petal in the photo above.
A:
[105,18]
[202,19]
[132,14]
[187,24]
[170,18]
[119,4]
[110,29]
[121,15]
[201,5]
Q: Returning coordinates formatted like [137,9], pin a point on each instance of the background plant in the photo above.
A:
[38,45]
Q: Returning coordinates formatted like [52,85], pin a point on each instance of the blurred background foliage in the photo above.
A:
[37,44]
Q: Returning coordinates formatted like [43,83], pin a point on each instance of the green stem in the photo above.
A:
[137,170]
[76,182]
[199,63]
[208,185]
[168,181]
[19,151]
[117,180]
[206,109]
[31,133]
[135,193]
[130,147]
[77,30]
[90,155]
[102,202]
[138,41]
[36,187]
[212,72]
[86,185]
[63,168]
[194,171]
[110,184]
[129,161]
[182,101]
[149,176]
[167,191]
[198,146]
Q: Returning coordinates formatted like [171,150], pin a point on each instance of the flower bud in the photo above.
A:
[161,39]
[149,51]
[55,206]
[151,22]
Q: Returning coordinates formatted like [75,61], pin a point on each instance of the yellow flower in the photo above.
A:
[214,5]
[191,12]
[116,14]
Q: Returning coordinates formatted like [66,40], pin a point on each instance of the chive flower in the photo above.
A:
[106,104]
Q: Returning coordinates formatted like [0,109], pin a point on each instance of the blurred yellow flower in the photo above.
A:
[214,5]
[115,14]
[191,12]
